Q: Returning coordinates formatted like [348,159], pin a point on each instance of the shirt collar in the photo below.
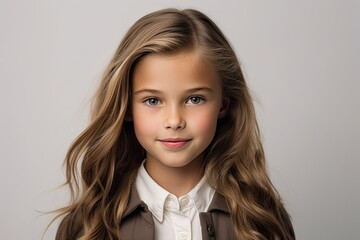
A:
[202,195]
[155,196]
[218,203]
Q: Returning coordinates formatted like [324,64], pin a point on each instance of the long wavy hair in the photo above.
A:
[102,162]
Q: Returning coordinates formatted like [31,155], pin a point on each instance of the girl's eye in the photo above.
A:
[152,101]
[195,100]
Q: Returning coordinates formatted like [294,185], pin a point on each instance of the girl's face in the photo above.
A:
[175,106]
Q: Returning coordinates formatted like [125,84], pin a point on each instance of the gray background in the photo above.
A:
[301,60]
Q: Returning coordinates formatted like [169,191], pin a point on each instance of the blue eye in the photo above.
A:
[195,100]
[152,101]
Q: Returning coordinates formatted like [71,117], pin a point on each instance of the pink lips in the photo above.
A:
[174,143]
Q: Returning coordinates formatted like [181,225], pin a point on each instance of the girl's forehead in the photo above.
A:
[186,67]
[183,61]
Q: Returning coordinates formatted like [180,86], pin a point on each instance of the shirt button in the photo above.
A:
[182,236]
[184,201]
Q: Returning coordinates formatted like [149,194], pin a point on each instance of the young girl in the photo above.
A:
[173,148]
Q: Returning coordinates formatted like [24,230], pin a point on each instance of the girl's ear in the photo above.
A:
[224,107]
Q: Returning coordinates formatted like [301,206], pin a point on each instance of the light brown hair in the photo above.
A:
[109,154]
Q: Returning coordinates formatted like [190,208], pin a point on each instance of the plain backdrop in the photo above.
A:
[301,61]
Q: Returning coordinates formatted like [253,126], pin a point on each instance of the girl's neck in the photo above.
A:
[176,180]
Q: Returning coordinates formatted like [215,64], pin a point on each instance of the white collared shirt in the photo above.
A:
[174,218]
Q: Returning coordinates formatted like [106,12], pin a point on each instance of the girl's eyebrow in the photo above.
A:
[199,89]
[147,90]
[191,90]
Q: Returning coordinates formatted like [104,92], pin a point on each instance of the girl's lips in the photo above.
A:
[174,143]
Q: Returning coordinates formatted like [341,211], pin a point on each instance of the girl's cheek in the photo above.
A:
[206,123]
[143,121]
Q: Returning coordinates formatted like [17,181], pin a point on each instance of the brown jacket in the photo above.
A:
[138,223]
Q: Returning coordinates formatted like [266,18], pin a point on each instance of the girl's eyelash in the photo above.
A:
[151,101]
[197,99]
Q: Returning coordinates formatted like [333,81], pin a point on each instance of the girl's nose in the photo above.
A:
[174,119]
